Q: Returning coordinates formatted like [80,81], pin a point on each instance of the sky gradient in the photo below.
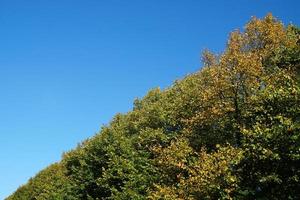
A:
[68,66]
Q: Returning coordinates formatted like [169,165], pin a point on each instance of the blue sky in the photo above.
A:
[68,66]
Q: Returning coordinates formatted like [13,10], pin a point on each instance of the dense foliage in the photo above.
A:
[228,131]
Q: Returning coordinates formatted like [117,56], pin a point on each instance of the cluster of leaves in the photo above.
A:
[228,131]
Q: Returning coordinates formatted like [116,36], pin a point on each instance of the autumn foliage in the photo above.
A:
[229,131]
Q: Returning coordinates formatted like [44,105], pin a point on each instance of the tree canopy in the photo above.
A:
[229,131]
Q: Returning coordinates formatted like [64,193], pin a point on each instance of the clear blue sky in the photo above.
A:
[67,66]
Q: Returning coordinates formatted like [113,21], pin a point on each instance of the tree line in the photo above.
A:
[229,131]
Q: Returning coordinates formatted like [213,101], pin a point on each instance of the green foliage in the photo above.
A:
[228,131]
[49,184]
